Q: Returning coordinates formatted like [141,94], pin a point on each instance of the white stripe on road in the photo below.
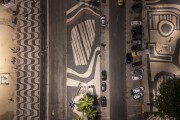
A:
[88,9]
[88,31]
[74,53]
[87,39]
[92,29]
[75,46]
[73,8]
[81,52]
[85,44]
[90,68]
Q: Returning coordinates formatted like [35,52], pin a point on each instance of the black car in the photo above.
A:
[137,7]
[136,31]
[103,101]
[135,64]
[103,86]
[104,75]
[136,47]
[139,27]
[129,58]
[137,71]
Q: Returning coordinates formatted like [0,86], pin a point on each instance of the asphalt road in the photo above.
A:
[117,62]
[57,59]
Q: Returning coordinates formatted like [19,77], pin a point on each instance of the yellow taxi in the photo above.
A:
[120,2]
[134,54]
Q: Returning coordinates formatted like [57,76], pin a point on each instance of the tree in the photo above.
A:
[78,118]
[91,113]
[84,103]
[168,102]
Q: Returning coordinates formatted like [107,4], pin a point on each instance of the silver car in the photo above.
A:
[138,96]
[136,42]
[137,90]
[103,20]
[137,77]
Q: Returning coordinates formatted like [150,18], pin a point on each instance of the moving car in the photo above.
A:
[137,90]
[103,20]
[137,77]
[137,71]
[103,86]
[136,23]
[136,47]
[103,101]
[138,96]
[120,3]
[135,64]
[104,75]
[134,54]
[129,58]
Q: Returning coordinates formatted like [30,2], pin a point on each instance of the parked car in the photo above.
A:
[137,77]
[136,47]
[104,75]
[137,19]
[129,58]
[134,54]
[137,71]
[135,64]
[136,23]
[103,20]
[103,101]
[120,3]
[137,36]
[136,42]
[137,90]
[136,31]
[138,96]
[137,7]
[103,86]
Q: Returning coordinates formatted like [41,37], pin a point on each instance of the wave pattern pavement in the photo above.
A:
[28,73]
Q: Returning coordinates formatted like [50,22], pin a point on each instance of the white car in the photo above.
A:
[137,77]
[103,20]
[137,90]
[138,95]
[136,23]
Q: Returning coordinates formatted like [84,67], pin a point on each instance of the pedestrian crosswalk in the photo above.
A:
[83,36]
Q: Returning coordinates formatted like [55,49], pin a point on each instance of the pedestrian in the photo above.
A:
[26,16]
[11,99]
[170,39]
[103,45]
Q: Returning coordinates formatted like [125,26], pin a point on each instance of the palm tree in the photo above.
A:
[91,113]
[78,118]
[84,103]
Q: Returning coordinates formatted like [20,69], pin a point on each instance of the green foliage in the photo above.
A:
[85,102]
[91,113]
[78,118]
[85,105]
[168,102]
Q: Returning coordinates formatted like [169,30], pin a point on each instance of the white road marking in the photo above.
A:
[87,39]
[85,44]
[75,46]
[89,70]
[81,10]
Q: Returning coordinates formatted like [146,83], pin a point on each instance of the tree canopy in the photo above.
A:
[168,102]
